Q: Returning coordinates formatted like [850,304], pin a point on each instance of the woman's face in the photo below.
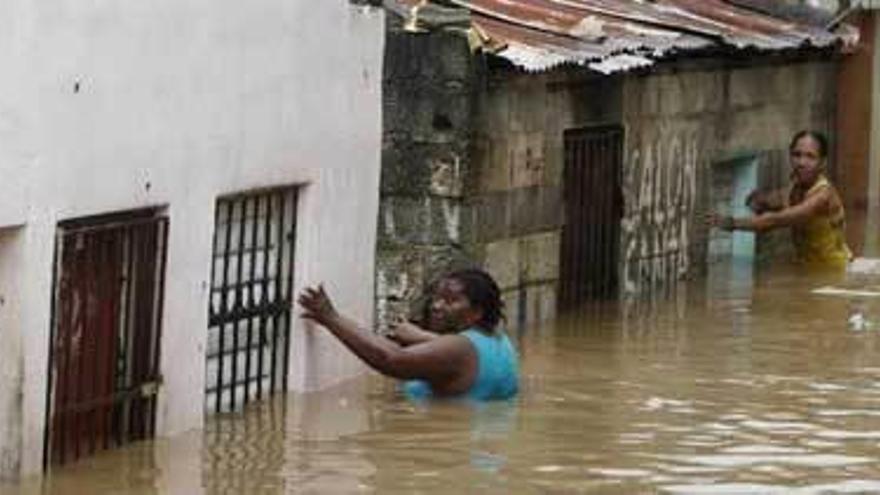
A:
[451,310]
[807,161]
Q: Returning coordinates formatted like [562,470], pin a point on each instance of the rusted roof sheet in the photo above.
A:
[616,35]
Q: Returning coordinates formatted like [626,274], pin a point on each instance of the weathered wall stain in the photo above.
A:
[660,196]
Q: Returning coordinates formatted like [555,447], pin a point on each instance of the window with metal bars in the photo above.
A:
[249,311]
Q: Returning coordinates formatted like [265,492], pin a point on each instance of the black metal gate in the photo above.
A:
[250,308]
[593,211]
[105,334]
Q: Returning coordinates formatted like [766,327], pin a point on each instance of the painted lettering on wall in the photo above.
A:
[660,193]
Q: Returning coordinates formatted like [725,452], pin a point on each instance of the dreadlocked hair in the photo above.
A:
[482,292]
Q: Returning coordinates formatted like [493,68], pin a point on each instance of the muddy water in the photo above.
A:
[736,385]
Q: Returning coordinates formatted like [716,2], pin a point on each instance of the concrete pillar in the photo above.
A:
[11,252]
[872,248]
[424,216]
[35,319]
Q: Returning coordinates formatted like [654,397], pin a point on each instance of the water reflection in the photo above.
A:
[721,386]
[290,445]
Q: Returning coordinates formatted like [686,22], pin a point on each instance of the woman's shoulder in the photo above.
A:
[477,332]
[822,185]
[479,336]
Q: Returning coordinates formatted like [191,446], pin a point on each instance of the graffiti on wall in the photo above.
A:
[660,193]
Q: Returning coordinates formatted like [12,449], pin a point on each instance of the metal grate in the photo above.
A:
[250,308]
[593,211]
[105,334]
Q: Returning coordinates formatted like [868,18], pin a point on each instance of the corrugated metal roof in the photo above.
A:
[616,35]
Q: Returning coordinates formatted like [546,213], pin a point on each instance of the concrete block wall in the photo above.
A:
[520,120]
[527,269]
[678,124]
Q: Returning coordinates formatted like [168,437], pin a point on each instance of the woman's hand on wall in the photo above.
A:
[317,305]
[716,220]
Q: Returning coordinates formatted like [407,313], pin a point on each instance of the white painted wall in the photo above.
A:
[11,257]
[109,106]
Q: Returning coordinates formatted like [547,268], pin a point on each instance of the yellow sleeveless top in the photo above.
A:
[821,241]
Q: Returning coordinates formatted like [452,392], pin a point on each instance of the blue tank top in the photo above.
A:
[497,369]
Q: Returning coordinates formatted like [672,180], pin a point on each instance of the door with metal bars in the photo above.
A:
[105,333]
[249,313]
[593,211]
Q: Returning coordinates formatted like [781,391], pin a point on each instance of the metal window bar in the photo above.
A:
[106,312]
[593,210]
[249,311]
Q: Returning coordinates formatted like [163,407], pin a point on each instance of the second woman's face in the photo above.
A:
[806,160]
[451,311]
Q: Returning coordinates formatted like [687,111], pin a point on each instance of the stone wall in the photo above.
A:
[428,94]
[473,162]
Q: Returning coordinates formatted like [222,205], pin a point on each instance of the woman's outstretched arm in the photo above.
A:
[406,333]
[766,201]
[793,215]
[437,360]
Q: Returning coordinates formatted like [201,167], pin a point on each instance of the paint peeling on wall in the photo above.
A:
[390,228]
[660,194]
[446,176]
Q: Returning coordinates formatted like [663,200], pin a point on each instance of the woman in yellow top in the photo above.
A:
[811,208]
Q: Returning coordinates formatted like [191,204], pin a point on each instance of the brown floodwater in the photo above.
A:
[735,384]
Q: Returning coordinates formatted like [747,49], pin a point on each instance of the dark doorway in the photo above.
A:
[251,289]
[593,211]
[105,334]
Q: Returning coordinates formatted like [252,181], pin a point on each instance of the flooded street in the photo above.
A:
[731,386]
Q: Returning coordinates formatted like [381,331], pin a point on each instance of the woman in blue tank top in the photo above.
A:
[462,354]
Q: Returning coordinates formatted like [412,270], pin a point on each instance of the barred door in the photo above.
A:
[593,211]
[105,334]
[250,308]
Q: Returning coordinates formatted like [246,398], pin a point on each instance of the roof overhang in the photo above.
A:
[618,35]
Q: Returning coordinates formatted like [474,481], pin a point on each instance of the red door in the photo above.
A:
[105,334]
